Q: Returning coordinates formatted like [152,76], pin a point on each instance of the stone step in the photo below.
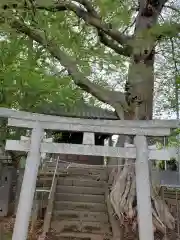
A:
[92,168]
[81,181]
[80,216]
[71,181]
[75,166]
[85,236]
[80,206]
[80,190]
[79,197]
[86,172]
[84,227]
[97,177]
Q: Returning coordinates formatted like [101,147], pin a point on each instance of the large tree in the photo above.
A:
[86,37]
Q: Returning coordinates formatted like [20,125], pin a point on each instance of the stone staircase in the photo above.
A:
[79,207]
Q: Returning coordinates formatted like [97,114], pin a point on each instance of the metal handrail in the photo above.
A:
[55,171]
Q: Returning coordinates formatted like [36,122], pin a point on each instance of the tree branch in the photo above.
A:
[102,37]
[172,8]
[110,97]
[125,51]
[88,7]
[86,11]
[167,30]
[88,18]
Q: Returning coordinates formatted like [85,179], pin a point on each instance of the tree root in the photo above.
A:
[123,200]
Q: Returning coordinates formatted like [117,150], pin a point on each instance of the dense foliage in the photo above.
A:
[28,79]
[30,75]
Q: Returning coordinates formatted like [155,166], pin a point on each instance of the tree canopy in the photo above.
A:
[46,43]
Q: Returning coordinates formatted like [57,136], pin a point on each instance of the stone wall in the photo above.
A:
[7,178]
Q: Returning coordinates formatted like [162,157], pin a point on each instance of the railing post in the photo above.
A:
[28,186]
[143,190]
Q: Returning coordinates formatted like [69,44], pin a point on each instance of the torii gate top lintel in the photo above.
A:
[127,127]
[89,127]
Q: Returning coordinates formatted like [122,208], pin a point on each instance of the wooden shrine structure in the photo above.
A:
[139,151]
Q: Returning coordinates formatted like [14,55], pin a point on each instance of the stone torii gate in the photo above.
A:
[139,151]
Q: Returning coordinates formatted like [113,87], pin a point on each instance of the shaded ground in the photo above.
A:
[6,229]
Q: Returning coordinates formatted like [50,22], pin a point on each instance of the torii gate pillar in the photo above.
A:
[143,189]
[29,185]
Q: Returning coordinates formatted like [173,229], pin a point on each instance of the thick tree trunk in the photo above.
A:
[140,84]
[139,94]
